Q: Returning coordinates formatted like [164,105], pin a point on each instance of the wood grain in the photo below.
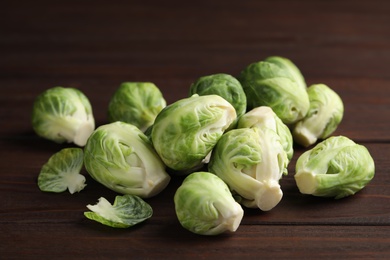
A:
[96,45]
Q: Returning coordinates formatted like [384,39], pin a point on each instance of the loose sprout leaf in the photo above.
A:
[127,210]
[62,172]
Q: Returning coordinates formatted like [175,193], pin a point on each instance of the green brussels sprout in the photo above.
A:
[336,167]
[63,115]
[325,114]
[265,116]
[204,205]
[127,211]
[185,132]
[276,82]
[223,85]
[120,156]
[251,161]
[62,172]
[137,103]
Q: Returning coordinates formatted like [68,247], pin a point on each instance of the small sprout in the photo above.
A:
[204,205]
[251,161]
[63,115]
[127,210]
[137,103]
[325,114]
[185,132]
[265,117]
[223,85]
[336,167]
[120,156]
[62,172]
[276,82]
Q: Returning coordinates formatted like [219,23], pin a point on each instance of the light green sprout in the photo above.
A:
[137,103]
[336,167]
[62,172]
[276,82]
[63,115]
[265,117]
[204,205]
[127,210]
[185,132]
[325,114]
[223,85]
[120,156]
[251,161]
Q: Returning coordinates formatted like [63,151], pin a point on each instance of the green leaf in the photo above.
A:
[62,172]
[127,210]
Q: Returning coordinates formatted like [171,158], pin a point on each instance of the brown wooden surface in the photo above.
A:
[96,45]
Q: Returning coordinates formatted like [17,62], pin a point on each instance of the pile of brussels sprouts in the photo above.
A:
[232,139]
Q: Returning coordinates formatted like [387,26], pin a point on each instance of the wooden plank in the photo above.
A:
[78,240]
[95,47]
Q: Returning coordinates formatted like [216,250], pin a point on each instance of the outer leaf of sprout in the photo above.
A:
[62,172]
[63,115]
[325,114]
[120,156]
[127,210]
[251,161]
[185,132]
[137,103]
[204,205]
[336,167]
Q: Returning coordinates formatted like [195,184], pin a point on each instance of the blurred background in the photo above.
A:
[96,45]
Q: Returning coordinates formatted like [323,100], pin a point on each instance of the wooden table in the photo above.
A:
[96,45]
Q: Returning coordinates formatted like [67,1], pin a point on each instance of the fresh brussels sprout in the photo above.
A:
[265,117]
[63,115]
[62,172]
[137,103]
[185,132]
[336,167]
[120,156]
[127,210]
[325,114]
[204,205]
[251,161]
[276,82]
[223,85]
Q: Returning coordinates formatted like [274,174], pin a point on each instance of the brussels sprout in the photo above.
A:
[204,205]
[137,103]
[325,114]
[276,82]
[251,161]
[62,172]
[337,167]
[185,132]
[119,156]
[63,115]
[223,85]
[265,117]
[127,210]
